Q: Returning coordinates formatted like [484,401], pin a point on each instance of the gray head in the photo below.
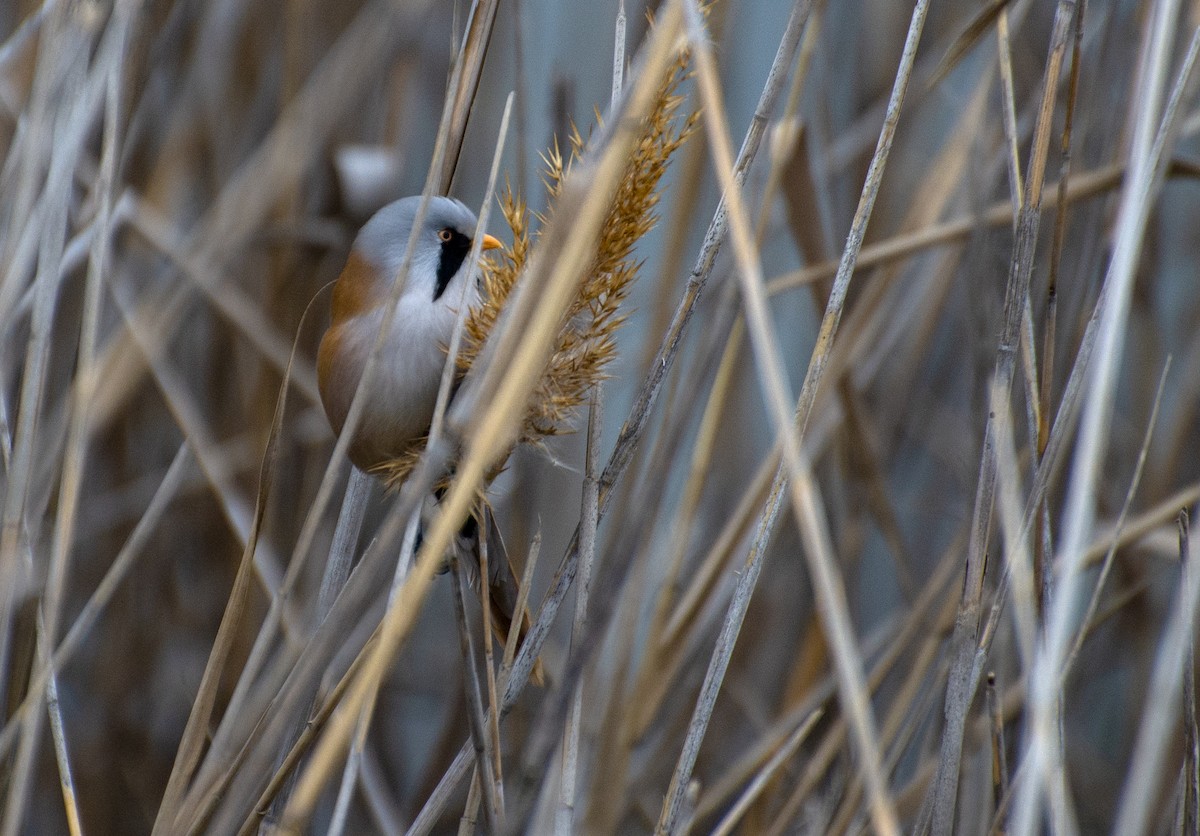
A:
[441,247]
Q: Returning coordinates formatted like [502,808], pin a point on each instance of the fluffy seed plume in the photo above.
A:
[585,344]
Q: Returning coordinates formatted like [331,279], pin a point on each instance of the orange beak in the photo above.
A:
[490,243]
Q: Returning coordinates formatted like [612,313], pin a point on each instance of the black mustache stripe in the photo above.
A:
[449,260]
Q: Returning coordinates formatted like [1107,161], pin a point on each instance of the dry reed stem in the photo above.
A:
[474,49]
[1160,719]
[636,423]
[493,808]
[49,608]
[886,659]
[57,732]
[70,118]
[494,425]
[1146,156]
[189,747]
[85,621]
[1119,527]
[1082,187]
[786,749]
[893,442]
[449,123]
[830,593]
[589,520]
[238,201]
[1190,813]
[961,687]
[586,342]
[630,435]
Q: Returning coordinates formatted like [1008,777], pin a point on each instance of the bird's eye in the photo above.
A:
[444,235]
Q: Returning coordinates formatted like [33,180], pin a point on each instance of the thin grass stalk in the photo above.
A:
[493,807]
[1160,716]
[492,427]
[1119,528]
[1083,186]
[886,647]
[20,265]
[911,704]
[377,788]
[468,820]
[789,129]
[72,118]
[492,714]
[271,170]
[521,84]
[1000,785]
[222,748]
[1062,188]
[1191,736]
[589,520]
[1146,155]
[1142,525]
[755,788]
[1017,553]
[110,58]
[57,733]
[619,56]
[341,806]
[510,647]
[1008,112]
[438,800]
[471,56]
[189,748]
[971,34]
[345,538]
[829,591]
[879,502]
[963,644]
[337,570]
[1043,545]
[635,424]
[109,61]
[134,547]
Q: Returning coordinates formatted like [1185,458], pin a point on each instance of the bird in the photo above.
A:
[402,393]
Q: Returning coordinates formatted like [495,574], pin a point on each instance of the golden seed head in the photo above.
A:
[585,344]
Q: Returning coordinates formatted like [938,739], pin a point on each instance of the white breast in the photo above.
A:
[403,390]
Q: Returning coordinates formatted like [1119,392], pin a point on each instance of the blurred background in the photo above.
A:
[209,163]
